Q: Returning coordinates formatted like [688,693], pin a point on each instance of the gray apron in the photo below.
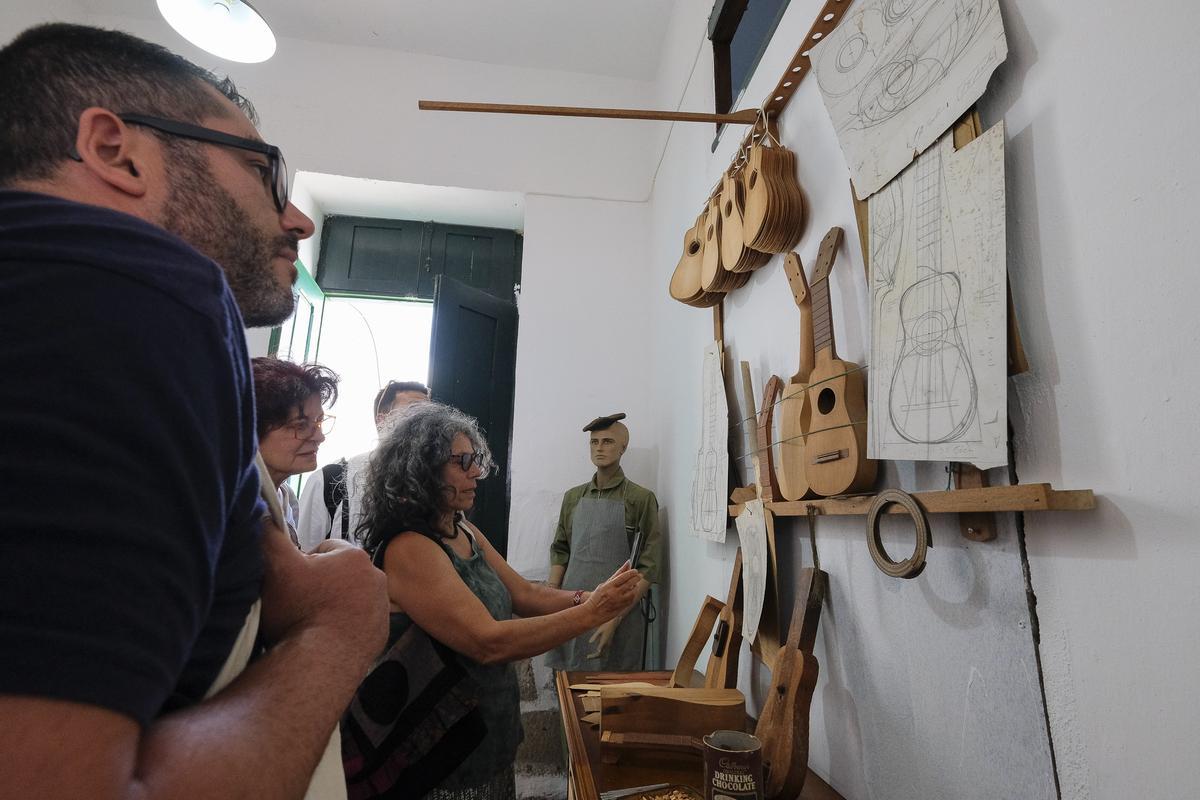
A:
[598,546]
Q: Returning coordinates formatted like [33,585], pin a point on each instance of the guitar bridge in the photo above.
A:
[832,455]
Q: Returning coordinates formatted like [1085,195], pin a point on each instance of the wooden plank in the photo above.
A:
[581,784]
[827,19]
[683,712]
[746,117]
[1022,497]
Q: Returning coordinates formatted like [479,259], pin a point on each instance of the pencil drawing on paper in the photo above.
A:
[752,536]
[895,74]
[938,321]
[712,460]
[932,398]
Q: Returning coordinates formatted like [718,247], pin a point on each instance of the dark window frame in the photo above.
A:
[723,24]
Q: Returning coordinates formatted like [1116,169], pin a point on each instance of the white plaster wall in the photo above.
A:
[929,688]
[1100,104]
[580,354]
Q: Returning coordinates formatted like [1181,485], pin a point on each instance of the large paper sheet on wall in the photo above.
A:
[938,316]
[895,74]
[711,476]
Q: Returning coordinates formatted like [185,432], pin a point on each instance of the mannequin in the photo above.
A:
[596,530]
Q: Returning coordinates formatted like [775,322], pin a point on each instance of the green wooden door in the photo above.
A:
[472,366]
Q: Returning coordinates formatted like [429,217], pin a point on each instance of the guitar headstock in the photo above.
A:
[794,271]
[827,253]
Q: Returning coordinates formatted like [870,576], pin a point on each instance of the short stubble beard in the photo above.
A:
[207,217]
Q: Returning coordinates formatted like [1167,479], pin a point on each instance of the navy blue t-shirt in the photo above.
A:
[129,508]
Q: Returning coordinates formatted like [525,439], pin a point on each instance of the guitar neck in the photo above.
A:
[929,210]
[822,320]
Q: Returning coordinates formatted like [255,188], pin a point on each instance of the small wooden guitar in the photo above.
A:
[836,447]
[685,281]
[795,417]
[783,725]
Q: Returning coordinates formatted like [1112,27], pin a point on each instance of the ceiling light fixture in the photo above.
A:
[231,29]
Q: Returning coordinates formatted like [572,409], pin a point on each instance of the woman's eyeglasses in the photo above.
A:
[465,460]
[307,428]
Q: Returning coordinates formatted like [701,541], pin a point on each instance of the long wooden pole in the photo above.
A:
[746,117]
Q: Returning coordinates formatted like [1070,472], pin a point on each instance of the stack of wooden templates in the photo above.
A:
[774,202]
[757,210]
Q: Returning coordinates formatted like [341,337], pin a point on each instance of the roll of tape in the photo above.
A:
[910,567]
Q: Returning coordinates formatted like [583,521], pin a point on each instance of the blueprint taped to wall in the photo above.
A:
[939,335]
[895,74]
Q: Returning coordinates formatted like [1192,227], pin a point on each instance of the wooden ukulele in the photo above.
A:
[783,725]
[795,417]
[836,447]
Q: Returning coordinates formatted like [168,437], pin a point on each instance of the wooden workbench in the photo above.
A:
[589,776]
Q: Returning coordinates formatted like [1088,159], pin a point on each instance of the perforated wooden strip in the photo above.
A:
[827,19]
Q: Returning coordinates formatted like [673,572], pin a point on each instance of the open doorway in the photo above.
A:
[403,270]
[369,342]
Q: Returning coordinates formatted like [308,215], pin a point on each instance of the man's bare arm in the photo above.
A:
[260,737]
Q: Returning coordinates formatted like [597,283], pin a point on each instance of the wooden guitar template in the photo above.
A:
[795,416]
[836,446]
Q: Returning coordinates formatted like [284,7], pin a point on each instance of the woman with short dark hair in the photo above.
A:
[290,401]
[446,578]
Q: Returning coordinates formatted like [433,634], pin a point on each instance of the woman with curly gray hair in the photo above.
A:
[446,578]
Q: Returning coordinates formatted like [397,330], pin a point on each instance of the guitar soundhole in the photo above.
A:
[826,400]
[708,234]
[753,178]
[728,208]
[693,248]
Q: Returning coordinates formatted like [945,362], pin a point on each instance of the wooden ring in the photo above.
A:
[911,567]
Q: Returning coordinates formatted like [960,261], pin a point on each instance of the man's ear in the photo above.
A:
[112,152]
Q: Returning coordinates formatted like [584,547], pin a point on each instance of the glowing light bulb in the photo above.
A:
[231,29]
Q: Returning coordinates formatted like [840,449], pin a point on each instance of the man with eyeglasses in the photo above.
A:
[143,221]
[329,505]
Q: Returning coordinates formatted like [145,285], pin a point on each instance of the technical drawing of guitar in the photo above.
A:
[933,395]
[836,446]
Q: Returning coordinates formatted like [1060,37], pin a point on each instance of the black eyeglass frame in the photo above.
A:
[465,460]
[186,130]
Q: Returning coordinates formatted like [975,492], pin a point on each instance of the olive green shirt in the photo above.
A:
[641,513]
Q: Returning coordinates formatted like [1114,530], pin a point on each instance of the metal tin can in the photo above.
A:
[732,766]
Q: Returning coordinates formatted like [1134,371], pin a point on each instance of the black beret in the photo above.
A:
[600,423]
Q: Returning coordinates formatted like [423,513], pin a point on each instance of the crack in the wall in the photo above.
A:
[1034,625]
